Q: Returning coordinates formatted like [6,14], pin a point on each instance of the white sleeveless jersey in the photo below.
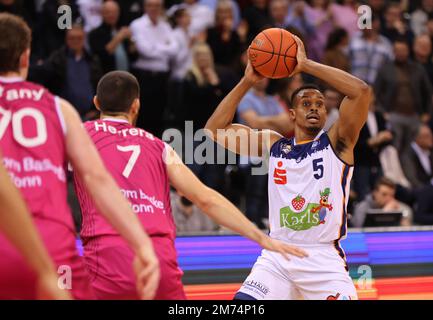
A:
[308,191]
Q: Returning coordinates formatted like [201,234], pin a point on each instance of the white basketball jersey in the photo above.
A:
[308,191]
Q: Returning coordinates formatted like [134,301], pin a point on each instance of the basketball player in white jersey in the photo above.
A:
[309,178]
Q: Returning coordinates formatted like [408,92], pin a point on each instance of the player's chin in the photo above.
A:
[314,128]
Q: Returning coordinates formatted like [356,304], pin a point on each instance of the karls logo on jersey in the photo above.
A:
[305,216]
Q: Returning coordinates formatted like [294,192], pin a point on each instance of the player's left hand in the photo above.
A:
[301,57]
[146,267]
[251,75]
[285,249]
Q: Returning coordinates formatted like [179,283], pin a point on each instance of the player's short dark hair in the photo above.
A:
[304,87]
[384,181]
[116,91]
[15,38]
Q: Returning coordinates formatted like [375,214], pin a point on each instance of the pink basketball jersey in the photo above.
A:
[134,157]
[32,140]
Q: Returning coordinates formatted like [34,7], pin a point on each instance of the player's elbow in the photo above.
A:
[365,90]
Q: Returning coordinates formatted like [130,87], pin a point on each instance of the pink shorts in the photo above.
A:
[109,261]
[17,280]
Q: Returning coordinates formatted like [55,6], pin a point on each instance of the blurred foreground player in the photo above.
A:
[39,134]
[309,178]
[16,224]
[144,167]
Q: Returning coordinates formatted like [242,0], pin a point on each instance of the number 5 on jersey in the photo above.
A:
[318,168]
[132,159]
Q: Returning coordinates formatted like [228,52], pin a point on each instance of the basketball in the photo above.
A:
[273,53]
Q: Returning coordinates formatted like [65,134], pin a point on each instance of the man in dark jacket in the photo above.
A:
[112,45]
[404,91]
[72,73]
[418,160]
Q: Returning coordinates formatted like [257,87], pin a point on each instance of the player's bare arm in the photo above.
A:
[109,201]
[279,123]
[239,138]
[20,230]
[218,208]
[354,108]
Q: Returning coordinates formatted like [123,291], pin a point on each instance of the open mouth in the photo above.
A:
[313,117]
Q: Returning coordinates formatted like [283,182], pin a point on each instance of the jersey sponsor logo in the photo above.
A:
[338,296]
[257,287]
[280,175]
[312,215]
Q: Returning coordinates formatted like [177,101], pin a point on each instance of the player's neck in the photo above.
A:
[304,136]
[118,117]
[12,75]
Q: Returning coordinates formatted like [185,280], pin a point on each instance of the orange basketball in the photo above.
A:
[273,53]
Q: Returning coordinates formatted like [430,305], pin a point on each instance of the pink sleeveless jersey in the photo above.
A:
[32,139]
[32,143]
[134,157]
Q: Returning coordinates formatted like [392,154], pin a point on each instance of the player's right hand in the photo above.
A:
[146,267]
[285,249]
[251,75]
[47,288]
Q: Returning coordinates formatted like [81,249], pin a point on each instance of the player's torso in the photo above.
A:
[135,160]
[308,191]
[32,140]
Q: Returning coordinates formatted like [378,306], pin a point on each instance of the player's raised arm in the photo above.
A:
[218,208]
[109,201]
[354,108]
[16,224]
[236,137]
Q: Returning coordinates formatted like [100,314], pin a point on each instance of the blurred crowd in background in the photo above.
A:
[187,55]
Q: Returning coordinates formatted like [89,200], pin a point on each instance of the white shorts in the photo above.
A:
[322,275]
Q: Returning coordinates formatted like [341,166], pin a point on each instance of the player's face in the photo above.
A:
[309,113]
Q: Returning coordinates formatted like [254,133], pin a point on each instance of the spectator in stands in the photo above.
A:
[278,10]
[336,53]
[51,37]
[257,17]
[368,52]
[259,110]
[73,73]
[202,18]
[202,92]
[180,65]
[223,39]
[404,91]
[298,20]
[422,50]
[129,11]
[322,18]
[420,17]
[156,47]
[378,8]
[212,4]
[423,214]
[346,16]
[374,136]
[188,217]
[382,198]
[202,87]
[418,160]
[111,44]
[395,27]
[90,11]
[332,102]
